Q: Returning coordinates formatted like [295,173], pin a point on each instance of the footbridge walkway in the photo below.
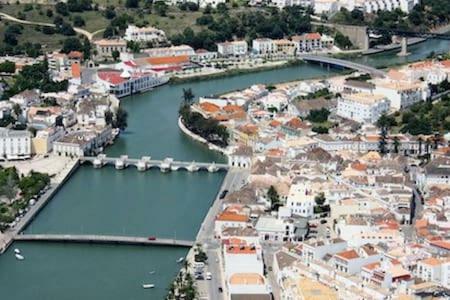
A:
[146,162]
[103,239]
[344,64]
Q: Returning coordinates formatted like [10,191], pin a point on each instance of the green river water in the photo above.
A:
[133,203]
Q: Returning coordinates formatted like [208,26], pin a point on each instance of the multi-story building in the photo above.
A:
[14,144]
[180,50]
[402,94]
[124,83]
[149,34]
[105,48]
[263,46]
[372,6]
[362,107]
[43,142]
[308,42]
[234,48]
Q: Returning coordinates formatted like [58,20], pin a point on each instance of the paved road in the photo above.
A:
[77,30]
[102,239]
[268,251]
[209,289]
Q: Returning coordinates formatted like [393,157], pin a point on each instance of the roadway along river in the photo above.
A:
[127,202]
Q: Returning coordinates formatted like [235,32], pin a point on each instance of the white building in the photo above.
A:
[170,51]
[326,6]
[263,46]
[402,94]
[14,144]
[124,83]
[301,200]
[213,3]
[372,6]
[318,249]
[234,48]
[105,47]
[145,34]
[362,107]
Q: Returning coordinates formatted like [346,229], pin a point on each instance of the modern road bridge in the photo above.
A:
[344,64]
[146,162]
[103,239]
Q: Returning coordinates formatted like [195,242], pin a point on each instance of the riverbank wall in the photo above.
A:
[57,182]
[200,139]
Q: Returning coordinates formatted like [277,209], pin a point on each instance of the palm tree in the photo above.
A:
[396,144]
[420,141]
[188,96]
[427,146]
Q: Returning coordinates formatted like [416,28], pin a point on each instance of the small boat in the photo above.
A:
[19,257]
[16,251]
[180,260]
[152,272]
[148,286]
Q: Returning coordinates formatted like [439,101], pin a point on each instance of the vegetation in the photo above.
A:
[16,192]
[183,286]
[35,76]
[209,129]
[322,93]
[318,115]
[342,41]
[200,255]
[119,119]
[274,198]
[7,67]
[320,206]
[248,25]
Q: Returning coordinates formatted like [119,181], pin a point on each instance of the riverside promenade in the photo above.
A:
[208,289]
[56,182]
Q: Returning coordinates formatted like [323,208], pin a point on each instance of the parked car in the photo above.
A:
[208,275]
[323,221]
[220,289]
[152,238]
[223,194]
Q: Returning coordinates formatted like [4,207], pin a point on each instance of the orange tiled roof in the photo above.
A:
[347,255]
[230,108]
[246,279]
[432,261]
[75,54]
[241,250]
[231,216]
[446,63]
[76,70]
[209,107]
[275,123]
[168,60]
[371,266]
[359,166]
[421,223]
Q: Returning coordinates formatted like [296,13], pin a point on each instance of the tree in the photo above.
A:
[318,115]
[320,199]
[109,32]
[342,41]
[121,121]
[49,13]
[382,143]
[420,141]
[396,142]
[273,197]
[115,55]
[109,117]
[61,8]
[134,46]
[161,8]
[86,49]
[188,96]
[222,8]
[17,110]
[7,67]
[132,3]
[71,44]
[109,12]
[385,121]
[78,21]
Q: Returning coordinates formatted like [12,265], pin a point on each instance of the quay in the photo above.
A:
[146,163]
[9,235]
[103,239]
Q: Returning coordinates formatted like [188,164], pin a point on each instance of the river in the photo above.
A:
[132,203]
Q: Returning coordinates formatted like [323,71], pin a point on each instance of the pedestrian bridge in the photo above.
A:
[146,162]
[344,64]
[103,239]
